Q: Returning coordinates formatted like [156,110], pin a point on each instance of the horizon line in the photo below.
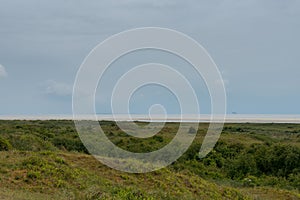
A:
[204,118]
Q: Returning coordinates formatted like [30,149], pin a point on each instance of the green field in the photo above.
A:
[46,160]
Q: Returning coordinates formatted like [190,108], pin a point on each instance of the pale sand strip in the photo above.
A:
[171,118]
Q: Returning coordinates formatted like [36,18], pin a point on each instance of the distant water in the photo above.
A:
[231,118]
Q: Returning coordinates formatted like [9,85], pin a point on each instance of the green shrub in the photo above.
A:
[192,130]
[294,179]
[70,144]
[44,167]
[33,175]
[250,181]
[31,143]
[4,145]
[158,138]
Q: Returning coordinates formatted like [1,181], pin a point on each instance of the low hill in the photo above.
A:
[46,160]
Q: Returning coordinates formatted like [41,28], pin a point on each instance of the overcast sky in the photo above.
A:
[255,44]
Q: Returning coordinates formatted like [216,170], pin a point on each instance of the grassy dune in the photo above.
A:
[46,160]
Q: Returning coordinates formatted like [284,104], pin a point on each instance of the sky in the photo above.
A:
[255,44]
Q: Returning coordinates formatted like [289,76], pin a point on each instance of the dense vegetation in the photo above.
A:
[46,159]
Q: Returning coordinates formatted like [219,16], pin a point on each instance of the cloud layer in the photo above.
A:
[255,42]
[3,72]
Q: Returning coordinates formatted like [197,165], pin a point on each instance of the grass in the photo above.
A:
[80,176]
[46,160]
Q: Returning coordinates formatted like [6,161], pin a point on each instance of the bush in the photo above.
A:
[31,143]
[295,180]
[250,181]
[192,130]
[42,168]
[4,145]
[158,138]
[70,144]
